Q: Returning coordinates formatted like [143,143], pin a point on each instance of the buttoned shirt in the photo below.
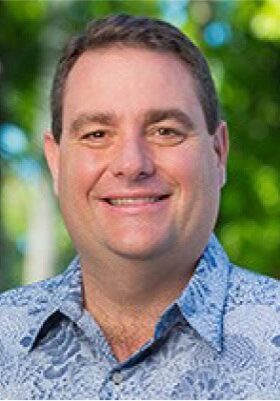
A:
[219,340]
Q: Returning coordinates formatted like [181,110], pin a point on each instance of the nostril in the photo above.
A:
[142,174]
[164,196]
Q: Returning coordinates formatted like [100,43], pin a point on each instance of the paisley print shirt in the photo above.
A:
[219,340]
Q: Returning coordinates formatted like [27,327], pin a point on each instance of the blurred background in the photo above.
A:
[241,40]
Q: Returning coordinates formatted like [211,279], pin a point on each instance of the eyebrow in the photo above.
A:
[158,115]
[151,117]
[87,118]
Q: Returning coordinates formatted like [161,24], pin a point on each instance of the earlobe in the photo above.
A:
[221,146]
[223,177]
[51,149]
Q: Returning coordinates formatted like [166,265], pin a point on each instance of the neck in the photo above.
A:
[127,297]
[133,282]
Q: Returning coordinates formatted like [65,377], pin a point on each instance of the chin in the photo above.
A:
[139,251]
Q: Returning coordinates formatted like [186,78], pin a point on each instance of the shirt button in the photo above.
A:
[117,377]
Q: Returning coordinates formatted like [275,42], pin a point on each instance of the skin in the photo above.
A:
[133,127]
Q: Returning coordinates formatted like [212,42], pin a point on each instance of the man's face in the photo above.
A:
[136,172]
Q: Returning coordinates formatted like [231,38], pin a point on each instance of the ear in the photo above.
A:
[51,149]
[221,147]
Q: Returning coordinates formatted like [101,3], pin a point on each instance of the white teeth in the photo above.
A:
[132,201]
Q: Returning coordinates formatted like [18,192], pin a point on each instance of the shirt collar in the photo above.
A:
[58,296]
[201,302]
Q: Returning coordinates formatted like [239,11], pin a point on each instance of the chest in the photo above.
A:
[182,366]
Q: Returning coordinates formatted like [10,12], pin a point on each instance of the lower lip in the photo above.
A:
[137,208]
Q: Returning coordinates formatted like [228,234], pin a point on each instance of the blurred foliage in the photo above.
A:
[249,64]
[240,39]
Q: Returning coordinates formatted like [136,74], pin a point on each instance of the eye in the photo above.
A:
[94,135]
[166,136]
[98,138]
[167,132]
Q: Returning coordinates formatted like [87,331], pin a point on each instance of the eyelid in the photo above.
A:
[89,133]
[171,129]
[172,124]
[87,138]
[176,136]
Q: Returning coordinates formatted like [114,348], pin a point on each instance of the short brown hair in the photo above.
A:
[135,31]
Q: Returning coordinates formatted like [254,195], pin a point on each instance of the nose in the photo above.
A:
[132,160]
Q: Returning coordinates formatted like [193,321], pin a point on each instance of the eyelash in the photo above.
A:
[170,131]
[94,133]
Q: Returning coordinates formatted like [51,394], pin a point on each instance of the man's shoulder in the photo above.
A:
[253,303]
[250,287]
[23,295]
[22,309]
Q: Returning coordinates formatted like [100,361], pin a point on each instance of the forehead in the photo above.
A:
[130,79]
[119,61]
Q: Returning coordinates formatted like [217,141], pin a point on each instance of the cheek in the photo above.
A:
[79,172]
[183,167]
[194,174]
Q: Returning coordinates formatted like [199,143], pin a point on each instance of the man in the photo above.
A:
[151,308]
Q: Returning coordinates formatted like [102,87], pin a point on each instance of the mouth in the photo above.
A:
[135,201]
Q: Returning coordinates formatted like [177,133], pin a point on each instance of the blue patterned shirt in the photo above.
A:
[219,340]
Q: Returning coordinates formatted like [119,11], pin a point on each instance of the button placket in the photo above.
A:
[117,377]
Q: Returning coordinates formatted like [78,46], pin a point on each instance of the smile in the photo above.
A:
[131,201]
